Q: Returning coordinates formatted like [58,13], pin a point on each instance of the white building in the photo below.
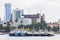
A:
[4,25]
[22,21]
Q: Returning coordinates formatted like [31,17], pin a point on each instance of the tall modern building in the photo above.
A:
[7,11]
[17,13]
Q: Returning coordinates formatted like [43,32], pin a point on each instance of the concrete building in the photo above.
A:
[7,12]
[36,18]
[43,19]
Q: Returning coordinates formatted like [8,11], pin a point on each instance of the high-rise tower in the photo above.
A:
[17,13]
[7,11]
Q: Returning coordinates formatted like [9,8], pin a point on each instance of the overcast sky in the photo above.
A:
[51,8]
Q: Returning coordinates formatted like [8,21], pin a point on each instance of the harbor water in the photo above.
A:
[7,37]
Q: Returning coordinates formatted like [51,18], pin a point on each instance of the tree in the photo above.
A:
[20,26]
[49,28]
[36,26]
[55,29]
[58,28]
[13,27]
[16,24]
[1,25]
[16,20]
[41,26]
[28,27]
[8,23]
[8,28]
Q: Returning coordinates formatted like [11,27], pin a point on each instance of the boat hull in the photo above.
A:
[31,35]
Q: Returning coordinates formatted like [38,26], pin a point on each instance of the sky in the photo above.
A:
[51,8]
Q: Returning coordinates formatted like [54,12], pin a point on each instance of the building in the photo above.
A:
[0,21]
[54,24]
[4,25]
[17,16]
[36,18]
[7,12]
[22,21]
[25,21]
[17,13]
[43,19]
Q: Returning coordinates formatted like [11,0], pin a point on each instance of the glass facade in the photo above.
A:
[8,11]
[18,14]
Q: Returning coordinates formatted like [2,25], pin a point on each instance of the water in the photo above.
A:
[7,37]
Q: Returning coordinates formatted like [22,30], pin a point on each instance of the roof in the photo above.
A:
[53,24]
[31,16]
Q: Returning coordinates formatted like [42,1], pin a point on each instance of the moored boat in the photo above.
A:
[25,33]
